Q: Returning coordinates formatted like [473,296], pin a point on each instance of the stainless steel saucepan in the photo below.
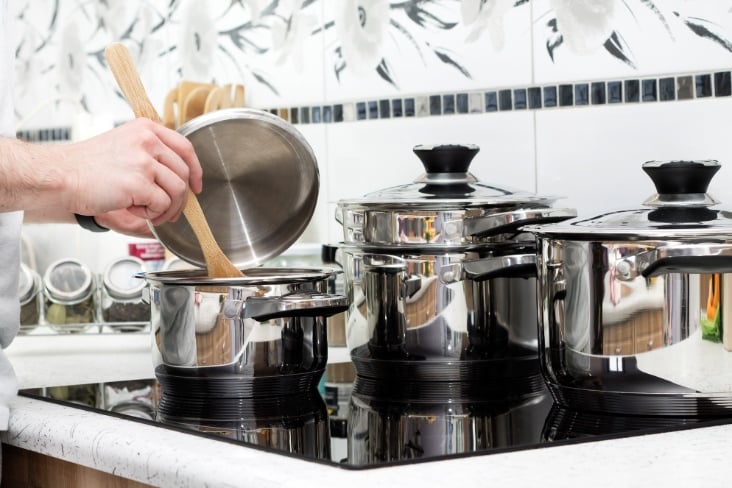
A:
[260,335]
[636,304]
[424,274]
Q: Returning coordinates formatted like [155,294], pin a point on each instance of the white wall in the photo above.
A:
[590,154]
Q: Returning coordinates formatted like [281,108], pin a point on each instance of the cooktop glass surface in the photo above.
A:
[364,423]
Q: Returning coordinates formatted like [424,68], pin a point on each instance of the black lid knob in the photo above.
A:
[680,177]
[446,158]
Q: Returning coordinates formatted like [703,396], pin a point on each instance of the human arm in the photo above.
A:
[140,169]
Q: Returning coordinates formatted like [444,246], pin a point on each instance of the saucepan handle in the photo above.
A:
[509,266]
[690,258]
[508,222]
[555,314]
[301,304]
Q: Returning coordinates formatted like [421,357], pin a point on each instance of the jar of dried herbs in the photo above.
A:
[69,296]
[122,304]
[29,292]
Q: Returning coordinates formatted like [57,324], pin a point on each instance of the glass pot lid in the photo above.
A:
[446,207]
[680,208]
[446,183]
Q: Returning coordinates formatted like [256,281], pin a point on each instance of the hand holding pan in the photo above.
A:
[120,62]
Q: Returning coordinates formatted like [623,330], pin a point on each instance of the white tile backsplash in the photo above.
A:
[426,46]
[316,136]
[593,156]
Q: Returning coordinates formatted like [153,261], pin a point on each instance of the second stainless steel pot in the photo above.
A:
[451,316]
[635,303]
[424,273]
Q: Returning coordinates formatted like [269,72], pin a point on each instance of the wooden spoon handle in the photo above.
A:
[123,68]
[217,263]
[128,80]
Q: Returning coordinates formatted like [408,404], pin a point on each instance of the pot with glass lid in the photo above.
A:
[424,270]
[635,303]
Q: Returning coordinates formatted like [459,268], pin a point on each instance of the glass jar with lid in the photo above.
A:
[69,295]
[29,293]
[122,302]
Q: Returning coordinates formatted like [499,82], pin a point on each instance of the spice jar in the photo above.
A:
[122,294]
[69,295]
[29,287]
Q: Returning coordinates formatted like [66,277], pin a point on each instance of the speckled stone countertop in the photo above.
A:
[162,457]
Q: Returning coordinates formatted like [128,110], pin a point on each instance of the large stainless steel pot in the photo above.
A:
[424,274]
[260,335]
[634,303]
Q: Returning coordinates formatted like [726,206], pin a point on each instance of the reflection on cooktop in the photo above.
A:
[368,423]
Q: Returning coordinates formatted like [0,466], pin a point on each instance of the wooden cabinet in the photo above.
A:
[23,468]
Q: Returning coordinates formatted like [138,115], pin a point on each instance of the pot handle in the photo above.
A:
[301,304]
[691,258]
[557,295]
[510,266]
[507,222]
[339,214]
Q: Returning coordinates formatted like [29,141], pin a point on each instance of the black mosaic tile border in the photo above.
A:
[45,135]
[560,95]
[550,96]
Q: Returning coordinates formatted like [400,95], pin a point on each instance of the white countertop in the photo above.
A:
[162,457]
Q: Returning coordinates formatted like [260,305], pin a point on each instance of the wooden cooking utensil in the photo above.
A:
[213,100]
[185,87]
[221,97]
[120,62]
[238,95]
[169,118]
[226,99]
[194,104]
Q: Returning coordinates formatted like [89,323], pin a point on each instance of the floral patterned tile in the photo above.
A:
[378,48]
[60,66]
[331,61]
[266,45]
[608,38]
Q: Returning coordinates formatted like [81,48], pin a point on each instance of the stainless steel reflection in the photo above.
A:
[424,308]
[441,227]
[609,330]
[383,430]
[270,323]
[296,424]
[604,311]
[260,186]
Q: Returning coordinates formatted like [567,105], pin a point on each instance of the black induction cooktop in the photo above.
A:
[367,423]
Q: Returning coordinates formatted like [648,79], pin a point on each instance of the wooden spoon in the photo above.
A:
[169,118]
[194,104]
[238,95]
[120,62]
